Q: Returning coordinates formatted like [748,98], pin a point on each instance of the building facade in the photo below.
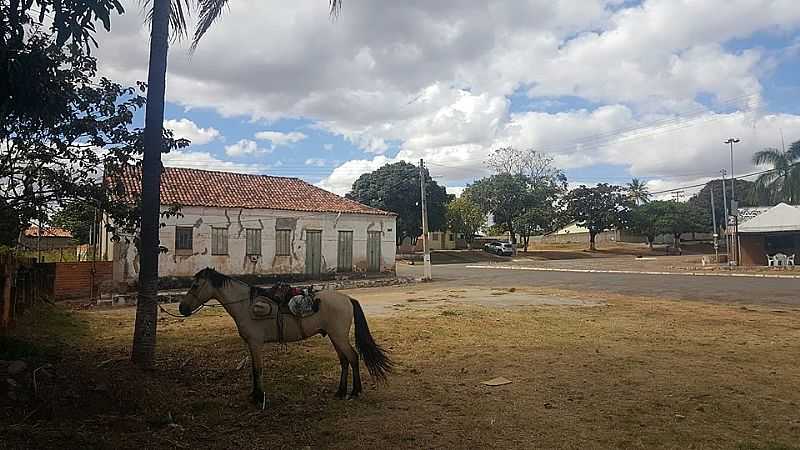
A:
[258,225]
[766,231]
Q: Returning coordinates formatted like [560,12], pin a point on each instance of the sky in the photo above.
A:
[610,89]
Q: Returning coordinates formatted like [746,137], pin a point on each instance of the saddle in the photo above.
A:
[296,303]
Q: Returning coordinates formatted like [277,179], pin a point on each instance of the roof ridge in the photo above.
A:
[216,188]
[227,172]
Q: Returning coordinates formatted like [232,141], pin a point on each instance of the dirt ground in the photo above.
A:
[586,372]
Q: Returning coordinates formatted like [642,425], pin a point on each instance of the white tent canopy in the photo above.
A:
[782,217]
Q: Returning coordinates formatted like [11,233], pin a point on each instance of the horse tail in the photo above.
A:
[375,357]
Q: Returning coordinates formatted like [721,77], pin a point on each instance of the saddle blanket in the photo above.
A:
[303,305]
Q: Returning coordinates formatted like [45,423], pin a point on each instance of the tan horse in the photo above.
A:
[336,314]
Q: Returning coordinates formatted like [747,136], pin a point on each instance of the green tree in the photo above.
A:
[505,196]
[638,192]
[77,216]
[782,184]
[645,219]
[677,218]
[53,150]
[164,14]
[745,196]
[597,209]
[464,216]
[396,187]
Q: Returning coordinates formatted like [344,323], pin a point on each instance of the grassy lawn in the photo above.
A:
[627,374]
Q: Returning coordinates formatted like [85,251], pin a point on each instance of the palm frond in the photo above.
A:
[178,12]
[208,11]
[794,151]
[336,8]
[771,156]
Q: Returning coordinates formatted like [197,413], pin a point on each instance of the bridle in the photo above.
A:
[204,305]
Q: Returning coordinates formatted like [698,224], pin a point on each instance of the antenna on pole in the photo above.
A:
[426,255]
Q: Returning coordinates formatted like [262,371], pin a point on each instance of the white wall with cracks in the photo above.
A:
[182,263]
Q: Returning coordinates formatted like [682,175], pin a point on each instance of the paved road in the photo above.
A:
[700,288]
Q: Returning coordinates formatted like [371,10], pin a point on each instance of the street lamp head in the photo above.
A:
[732,141]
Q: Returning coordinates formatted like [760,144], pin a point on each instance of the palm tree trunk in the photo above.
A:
[144,334]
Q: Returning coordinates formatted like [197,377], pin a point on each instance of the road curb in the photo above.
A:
[635,272]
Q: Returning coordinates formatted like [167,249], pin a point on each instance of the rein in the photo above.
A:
[203,305]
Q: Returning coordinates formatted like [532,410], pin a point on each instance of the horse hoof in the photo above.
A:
[353,395]
[341,395]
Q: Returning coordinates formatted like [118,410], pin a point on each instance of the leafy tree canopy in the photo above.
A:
[55,148]
[676,218]
[745,196]
[464,216]
[504,196]
[598,208]
[72,20]
[396,187]
[77,216]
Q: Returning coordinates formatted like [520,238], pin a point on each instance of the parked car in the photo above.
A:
[499,248]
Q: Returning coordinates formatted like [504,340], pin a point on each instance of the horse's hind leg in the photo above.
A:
[347,355]
[257,365]
[356,374]
[342,391]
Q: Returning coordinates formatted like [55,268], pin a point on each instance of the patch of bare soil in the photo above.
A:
[626,374]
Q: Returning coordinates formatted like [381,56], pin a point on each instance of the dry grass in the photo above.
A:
[632,374]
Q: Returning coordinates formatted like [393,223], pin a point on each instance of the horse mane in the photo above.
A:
[217,279]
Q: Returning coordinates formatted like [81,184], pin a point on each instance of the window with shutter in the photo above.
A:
[253,241]
[219,241]
[283,240]
[183,238]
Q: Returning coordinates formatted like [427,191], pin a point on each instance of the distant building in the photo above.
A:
[766,231]
[257,224]
[34,238]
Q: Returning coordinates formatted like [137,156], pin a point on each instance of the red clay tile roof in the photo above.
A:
[193,187]
[47,232]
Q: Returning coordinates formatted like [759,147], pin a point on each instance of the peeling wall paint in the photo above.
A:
[237,262]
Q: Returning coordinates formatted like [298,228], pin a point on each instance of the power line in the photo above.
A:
[666,191]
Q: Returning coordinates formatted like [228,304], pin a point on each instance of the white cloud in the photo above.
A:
[278,138]
[433,79]
[316,162]
[245,147]
[327,146]
[185,128]
[207,161]
[340,181]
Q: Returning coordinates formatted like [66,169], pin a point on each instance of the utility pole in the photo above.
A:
[725,207]
[426,254]
[714,221]
[734,205]
[677,195]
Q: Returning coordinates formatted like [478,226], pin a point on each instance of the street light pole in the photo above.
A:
[725,209]
[732,141]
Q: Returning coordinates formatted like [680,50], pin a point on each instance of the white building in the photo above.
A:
[257,225]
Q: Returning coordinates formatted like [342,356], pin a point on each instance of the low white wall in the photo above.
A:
[236,262]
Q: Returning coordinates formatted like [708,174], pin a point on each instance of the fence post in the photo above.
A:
[6,320]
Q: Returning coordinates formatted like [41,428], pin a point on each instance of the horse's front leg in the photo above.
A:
[257,365]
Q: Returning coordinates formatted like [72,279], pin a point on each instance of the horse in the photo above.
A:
[337,312]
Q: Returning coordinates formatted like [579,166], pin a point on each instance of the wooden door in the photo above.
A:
[374,251]
[313,252]
[344,252]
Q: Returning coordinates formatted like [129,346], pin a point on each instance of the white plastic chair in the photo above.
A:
[780,259]
[771,261]
[790,260]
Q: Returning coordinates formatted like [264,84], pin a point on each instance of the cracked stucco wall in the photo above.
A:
[237,262]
